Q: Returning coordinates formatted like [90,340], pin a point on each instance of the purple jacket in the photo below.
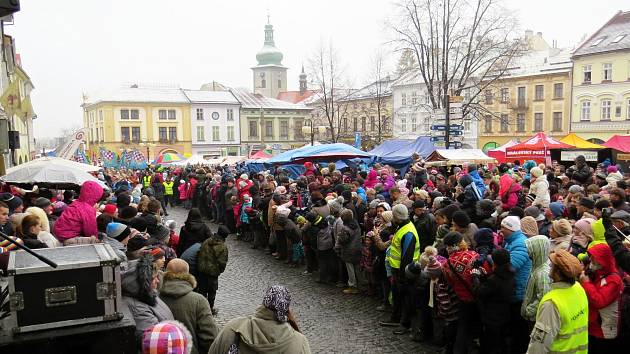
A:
[79,219]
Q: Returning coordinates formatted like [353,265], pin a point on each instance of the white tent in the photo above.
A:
[458,157]
[56,161]
[50,171]
[233,160]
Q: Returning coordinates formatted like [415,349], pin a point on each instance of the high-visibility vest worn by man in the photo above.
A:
[562,318]
[146,181]
[396,249]
[168,188]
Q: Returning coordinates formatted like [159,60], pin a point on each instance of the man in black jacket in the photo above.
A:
[425,224]
[582,173]
[616,225]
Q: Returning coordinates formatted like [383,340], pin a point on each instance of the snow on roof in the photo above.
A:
[548,61]
[382,88]
[253,100]
[204,96]
[613,35]
[137,93]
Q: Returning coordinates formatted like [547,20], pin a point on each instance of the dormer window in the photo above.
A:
[598,41]
[618,38]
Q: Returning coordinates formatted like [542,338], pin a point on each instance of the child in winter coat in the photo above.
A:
[539,283]
[77,224]
[173,240]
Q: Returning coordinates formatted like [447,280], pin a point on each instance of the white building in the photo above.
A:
[413,114]
[215,123]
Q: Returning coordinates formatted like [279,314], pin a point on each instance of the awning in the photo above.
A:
[458,157]
[619,143]
[579,143]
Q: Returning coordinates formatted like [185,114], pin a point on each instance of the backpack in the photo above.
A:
[207,261]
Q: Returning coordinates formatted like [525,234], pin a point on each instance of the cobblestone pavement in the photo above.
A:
[332,322]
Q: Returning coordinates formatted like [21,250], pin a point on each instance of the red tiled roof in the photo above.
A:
[295,96]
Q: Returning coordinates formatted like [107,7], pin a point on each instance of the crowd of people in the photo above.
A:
[511,258]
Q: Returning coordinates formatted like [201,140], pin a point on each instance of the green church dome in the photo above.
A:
[269,54]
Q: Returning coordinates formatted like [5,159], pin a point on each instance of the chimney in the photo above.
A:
[529,33]
[539,34]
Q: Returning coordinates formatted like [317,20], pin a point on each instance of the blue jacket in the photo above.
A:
[478,182]
[519,258]
[362,195]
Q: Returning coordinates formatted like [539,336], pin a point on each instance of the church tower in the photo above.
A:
[303,84]
[270,76]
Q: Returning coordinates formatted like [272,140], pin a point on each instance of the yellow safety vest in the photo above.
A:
[396,247]
[168,188]
[146,181]
[572,306]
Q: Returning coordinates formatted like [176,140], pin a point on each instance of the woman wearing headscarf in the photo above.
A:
[271,329]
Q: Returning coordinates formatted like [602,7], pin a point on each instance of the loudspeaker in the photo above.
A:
[8,7]
[14,139]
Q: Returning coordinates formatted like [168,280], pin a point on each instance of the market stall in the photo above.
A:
[458,157]
[620,146]
[591,152]
[397,152]
[325,152]
[499,152]
[537,148]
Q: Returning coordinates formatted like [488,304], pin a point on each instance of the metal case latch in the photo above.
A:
[61,296]
[105,290]
[16,301]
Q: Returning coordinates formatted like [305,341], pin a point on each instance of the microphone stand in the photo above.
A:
[22,247]
[621,233]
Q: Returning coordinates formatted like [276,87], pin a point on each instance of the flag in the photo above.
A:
[124,161]
[26,109]
[110,159]
[10,99]
[137,160]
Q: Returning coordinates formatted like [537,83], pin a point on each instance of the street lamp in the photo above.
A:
[308,129]
[148,145]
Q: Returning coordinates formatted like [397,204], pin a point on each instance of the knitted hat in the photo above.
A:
[42,202]
[347,215]
[160,233]
[156,252]
[429,252]
[336,205]
[535,213]
[530,198]
[127,212]
[137,242]
[281,190]
[12,201]
[536,172]
[529,226]
[621,215]
[484,237]
[501,257]
[512,223]
[419,204]
[557,208]
[434,268]
[574,189]
[412,270]
[567,263]
[461,219]
[562,227]
[167,337]
[588,203]
[117,231]
[387,216]
[374,203]
[138,223]
[611,169]
[110,209]
[453,238]
[400,212]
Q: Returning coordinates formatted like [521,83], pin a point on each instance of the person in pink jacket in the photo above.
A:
[372,179]
[79,219]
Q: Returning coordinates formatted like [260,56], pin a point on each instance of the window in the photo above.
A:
[414,98]
[199,113]
[355,124]
[538,122]
[135,135]
[345,125]
[298,124]
[505,95]
[124,135]
[557,121]
[253,128]
[414,125]
[363,123]
[135,114]
[586,74]
[200,134]
[263,83]
[607,71]
[284,129]
[216,134]
[162,134]
[171,114]
[100,115]
[606,110]
[618,38]
[403,124]
[585,114]
[488,96]
[96,134]
[539,92]
[520,122]
[172,134]
[230,114]
[162,114]
[269,129]
[279,83]
[557,90]
[102,134]
[628,109]
[520,93]
[488,124]
[373,122]
[404,98]
[124,114]
[504,123]
[230,133]
[384,123]
[598,41]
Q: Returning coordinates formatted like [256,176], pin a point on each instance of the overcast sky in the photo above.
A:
[89,45]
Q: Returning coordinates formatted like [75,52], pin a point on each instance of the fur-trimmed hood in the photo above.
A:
[136,281]
[177,284]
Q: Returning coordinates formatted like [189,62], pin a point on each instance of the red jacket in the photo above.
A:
[602,290]
[462,263]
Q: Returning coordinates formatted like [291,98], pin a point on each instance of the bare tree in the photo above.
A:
[379,92]
[327,75]
[461,46]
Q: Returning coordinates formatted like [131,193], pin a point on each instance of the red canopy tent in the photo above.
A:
[619,142]
[536,148]
[499,153]
[262,154]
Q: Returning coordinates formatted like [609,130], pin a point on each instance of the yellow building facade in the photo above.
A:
[601,82]
[150,120]
[534,96]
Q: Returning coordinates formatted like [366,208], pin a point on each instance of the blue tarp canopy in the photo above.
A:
[326,152]
[397,153]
